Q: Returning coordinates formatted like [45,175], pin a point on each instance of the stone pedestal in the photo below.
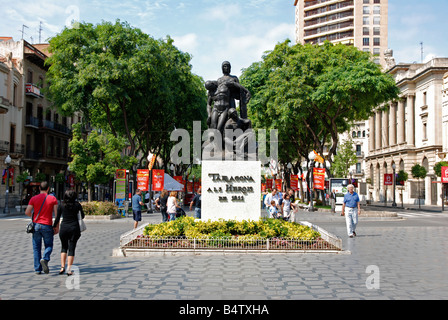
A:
[231,190]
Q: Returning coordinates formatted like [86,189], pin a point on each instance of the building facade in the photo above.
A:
[408,132]
[361,23]
[33,133]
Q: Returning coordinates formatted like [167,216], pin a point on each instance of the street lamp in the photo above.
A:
[7,162]
[311,157]
[394,204]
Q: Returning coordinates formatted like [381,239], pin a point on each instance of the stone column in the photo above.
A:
[385,129]
[392,124]
[400,122]
[372,133]
[378,144]
[410,130]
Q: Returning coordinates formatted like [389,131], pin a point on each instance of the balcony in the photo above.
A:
[32,90]
[46,124]
[4,105]
[12,148]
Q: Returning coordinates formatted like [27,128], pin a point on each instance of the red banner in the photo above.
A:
[143,179]
[158,177]
[444,174]
[388,179]
[319,178]
[278,184]
[180,180]
[263,187]
[294,182]
[269,183]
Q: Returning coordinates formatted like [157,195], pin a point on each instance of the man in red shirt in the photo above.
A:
[44,205]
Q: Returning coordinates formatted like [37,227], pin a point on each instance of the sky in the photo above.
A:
[212,31]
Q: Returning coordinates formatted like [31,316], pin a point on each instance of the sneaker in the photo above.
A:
[350,236]
[354,233]
[44,264]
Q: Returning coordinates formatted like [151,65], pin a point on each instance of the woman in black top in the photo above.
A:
[69,232]
[161,203]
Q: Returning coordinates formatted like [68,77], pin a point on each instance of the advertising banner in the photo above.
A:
[269,184]
[294,182]
[444,174]
[278,184]
[180,180]
[319,178]
[158,177]
[143,179]
[388,179]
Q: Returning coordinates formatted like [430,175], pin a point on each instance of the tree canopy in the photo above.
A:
[311,93]
[126,83]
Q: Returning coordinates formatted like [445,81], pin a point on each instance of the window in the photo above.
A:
[366,10]
[365,41]
[365,31]
[376,1]
[366,1]
[376,20]
[354,134]
[376,10]
[366,49]
[376,51]
[29,78]
[365,21]
[425,131]
[425,99]
[376,31]
[358,168]
[12,139]
[376,41]
[14,96]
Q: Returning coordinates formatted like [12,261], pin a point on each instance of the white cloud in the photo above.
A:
[187,43]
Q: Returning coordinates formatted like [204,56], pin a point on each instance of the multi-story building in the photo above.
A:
[361,23]
[410,132]
[11,125]
[37,139]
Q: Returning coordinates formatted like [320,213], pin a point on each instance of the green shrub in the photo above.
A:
[98,208]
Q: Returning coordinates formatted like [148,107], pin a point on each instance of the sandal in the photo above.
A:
[62,270]
[70,273]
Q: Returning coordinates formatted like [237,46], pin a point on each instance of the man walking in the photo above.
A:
[351,202]
[43,205]
[136,207]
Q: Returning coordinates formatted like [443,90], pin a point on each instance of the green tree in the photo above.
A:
[311,93]
[97,157]
[418,172]
[126,83]
[438,167]
[344,159]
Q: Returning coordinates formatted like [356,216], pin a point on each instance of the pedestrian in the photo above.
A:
[197,203]
[136,207]
[286,207]
[161,202]
[69,231]
[273,196]
[42,207]
[273,211]
[351,202]
[172,205]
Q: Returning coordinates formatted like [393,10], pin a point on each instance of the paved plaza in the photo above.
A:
[389,259]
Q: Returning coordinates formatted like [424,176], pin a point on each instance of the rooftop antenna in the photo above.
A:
[421,49]
[40,32]
[23,30]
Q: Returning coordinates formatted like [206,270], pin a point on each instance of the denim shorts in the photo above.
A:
[137,215]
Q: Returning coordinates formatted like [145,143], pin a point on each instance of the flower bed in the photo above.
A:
[264,234]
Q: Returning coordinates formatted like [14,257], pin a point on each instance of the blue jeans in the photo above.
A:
[197,213]
[172,216]
[45,232]
[351,219]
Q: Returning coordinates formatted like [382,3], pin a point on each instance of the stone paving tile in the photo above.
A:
[412,260]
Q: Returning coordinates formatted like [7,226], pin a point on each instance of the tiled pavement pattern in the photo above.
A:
[411,255]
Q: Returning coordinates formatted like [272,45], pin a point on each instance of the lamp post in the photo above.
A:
[311,157]
[7,162]
[394,204]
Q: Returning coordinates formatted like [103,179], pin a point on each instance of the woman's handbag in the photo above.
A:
[30,225]
[82,225]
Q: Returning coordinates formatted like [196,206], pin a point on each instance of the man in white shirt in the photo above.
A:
[269,197]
